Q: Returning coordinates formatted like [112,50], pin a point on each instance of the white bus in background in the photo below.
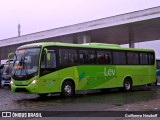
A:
[1,68]
[6,73]
[4,61]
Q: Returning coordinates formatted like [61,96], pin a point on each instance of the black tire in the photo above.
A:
[127,86]
[67,89]
[43,95]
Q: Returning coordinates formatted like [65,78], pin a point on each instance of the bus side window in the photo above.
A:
[119,57]
[83,55]
[48,63]
[43,60]
[132,58]
[143,58]
[151,58]
[104,57]
[87,56]
[67,56]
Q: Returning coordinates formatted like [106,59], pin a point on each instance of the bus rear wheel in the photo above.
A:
[67,89]
[127,84]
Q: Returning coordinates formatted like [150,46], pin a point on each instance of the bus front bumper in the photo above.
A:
[23,89]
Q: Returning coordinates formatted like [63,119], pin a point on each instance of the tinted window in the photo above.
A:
[151,58]
[132,58]
[143,58]
[119,57]
[67,56]
[48,62]
[87,56]
[104,57]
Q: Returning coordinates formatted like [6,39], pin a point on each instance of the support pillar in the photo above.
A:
[131,36]
[82,38]
[131,44]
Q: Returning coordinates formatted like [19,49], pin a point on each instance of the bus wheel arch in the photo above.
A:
[68,88]
[127,84]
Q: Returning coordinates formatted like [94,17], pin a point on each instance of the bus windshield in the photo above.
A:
[26,62]
[6,72]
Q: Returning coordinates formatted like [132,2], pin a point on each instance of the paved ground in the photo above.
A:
[140,99]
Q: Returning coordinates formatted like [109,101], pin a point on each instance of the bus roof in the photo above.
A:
[87,45]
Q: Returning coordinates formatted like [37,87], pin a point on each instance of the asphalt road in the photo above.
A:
[140,99]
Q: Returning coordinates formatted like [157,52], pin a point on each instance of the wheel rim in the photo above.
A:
[68,89]
[127,85]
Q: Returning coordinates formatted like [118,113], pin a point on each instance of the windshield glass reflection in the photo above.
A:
[26,62]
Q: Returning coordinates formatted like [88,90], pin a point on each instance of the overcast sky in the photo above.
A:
[40,15]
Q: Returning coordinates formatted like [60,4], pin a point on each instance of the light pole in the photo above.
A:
[19,30]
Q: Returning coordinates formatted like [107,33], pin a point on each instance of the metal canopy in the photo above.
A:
[137,26]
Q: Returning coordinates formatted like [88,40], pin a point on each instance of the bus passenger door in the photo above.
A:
[47,68]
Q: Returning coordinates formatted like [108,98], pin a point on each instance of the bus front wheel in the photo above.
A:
[127,84]
[67,89]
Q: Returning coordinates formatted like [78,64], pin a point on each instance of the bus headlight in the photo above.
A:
[11,82]
[33,82]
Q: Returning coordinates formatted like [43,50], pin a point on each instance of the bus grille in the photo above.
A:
[21,90]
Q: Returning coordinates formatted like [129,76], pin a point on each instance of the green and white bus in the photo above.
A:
[51,67]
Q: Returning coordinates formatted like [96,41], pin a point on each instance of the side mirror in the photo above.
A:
[47,54]
[46,51]
[9,57]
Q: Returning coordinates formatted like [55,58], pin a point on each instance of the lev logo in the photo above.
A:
[109,72]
